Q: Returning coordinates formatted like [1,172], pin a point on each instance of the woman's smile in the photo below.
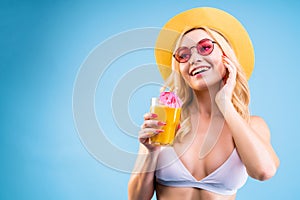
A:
[199,70]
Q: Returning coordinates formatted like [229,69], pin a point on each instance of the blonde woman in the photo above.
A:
[218,144]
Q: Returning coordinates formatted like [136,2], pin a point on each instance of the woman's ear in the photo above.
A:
[225,77]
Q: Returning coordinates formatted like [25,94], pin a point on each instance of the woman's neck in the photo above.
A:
[205,100]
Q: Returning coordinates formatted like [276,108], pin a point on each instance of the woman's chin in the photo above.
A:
[205,84]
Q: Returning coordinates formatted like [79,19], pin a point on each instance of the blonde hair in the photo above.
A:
[176,83]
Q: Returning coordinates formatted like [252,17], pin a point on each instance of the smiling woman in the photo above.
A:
[218,144]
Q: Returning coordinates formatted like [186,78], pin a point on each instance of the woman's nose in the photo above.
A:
[195,56]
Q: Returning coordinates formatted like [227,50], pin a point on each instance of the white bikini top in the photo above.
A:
[225,180]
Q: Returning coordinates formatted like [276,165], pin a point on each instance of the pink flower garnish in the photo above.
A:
[170,99]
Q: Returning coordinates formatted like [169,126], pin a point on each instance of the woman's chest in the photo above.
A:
[202,155]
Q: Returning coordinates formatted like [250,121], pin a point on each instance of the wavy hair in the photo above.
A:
[176,83]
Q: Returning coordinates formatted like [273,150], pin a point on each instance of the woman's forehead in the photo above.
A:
[194,36]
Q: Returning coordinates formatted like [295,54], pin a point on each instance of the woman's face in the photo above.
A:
[201,71]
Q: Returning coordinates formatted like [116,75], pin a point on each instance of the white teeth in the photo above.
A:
[199,70]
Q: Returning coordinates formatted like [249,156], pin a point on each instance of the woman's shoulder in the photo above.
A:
[259,125]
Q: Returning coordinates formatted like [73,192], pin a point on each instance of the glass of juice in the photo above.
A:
[169,115]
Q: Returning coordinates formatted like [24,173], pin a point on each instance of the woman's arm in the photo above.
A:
[253,143]
[252,140]
[141,183]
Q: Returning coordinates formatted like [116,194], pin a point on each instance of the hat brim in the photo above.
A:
[213,18]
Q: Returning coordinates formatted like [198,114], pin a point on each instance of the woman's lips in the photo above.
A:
[199,70]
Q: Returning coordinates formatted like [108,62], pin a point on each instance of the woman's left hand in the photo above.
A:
[224,96]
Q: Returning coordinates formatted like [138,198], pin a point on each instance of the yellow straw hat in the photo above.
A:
[212,18]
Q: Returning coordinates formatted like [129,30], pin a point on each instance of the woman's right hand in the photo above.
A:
[149,128]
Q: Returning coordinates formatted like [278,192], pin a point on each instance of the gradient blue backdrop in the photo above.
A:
[43,44]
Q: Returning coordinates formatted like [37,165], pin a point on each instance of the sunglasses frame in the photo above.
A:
[196,46]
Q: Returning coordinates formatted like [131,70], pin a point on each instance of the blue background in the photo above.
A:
[43,44]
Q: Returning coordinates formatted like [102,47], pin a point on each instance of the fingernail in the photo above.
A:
[159,131]
[161,123]
[153,115]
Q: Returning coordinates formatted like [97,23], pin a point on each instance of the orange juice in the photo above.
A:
[171,116]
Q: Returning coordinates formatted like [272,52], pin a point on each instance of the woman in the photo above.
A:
[218,144]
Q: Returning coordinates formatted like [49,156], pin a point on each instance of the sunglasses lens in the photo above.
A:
[183,54]
[205,47]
